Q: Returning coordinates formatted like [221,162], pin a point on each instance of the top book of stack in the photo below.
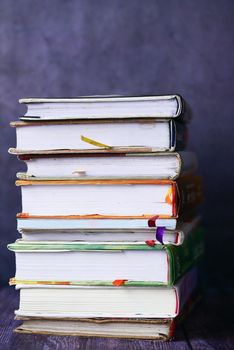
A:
[105,107]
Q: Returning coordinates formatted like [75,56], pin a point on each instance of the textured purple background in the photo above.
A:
[73,47]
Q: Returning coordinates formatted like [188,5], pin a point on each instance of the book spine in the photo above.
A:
[184,113]
[182,258]
[189,194]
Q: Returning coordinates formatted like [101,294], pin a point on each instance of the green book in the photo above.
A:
[104,263]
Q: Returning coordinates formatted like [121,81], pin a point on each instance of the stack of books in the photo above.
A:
[111,238]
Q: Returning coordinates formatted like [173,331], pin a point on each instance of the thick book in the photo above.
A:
[167,165]
[104,107]
[96,301]
[104,136]
[72,230]
[130,328]
[122,198]
[104,263]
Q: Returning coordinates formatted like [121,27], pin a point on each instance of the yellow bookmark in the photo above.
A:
[93,142]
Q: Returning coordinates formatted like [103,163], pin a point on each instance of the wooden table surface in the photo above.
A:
[210,326]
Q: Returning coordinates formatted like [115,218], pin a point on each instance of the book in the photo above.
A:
[126,328]
[63,230]
[100,107]
[96,301]
[142,198]
[27,222]
[131,328]
[89,263]
[116,135]
[165,165]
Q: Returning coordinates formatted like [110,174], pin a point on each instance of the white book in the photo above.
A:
[144,165]
[102,136]
[110,198]
[167,106]
[169,237]
[89,301]
[100,197]
[109,265]
[28,224]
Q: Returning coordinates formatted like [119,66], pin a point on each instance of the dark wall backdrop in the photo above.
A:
[74,47]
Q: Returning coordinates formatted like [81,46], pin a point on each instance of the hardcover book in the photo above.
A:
[61,301]
[55,166]
[102,107]
[26,222]
[120,198]
[104,136]
[89,263]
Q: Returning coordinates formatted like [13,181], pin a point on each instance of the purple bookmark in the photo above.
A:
[159,234]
